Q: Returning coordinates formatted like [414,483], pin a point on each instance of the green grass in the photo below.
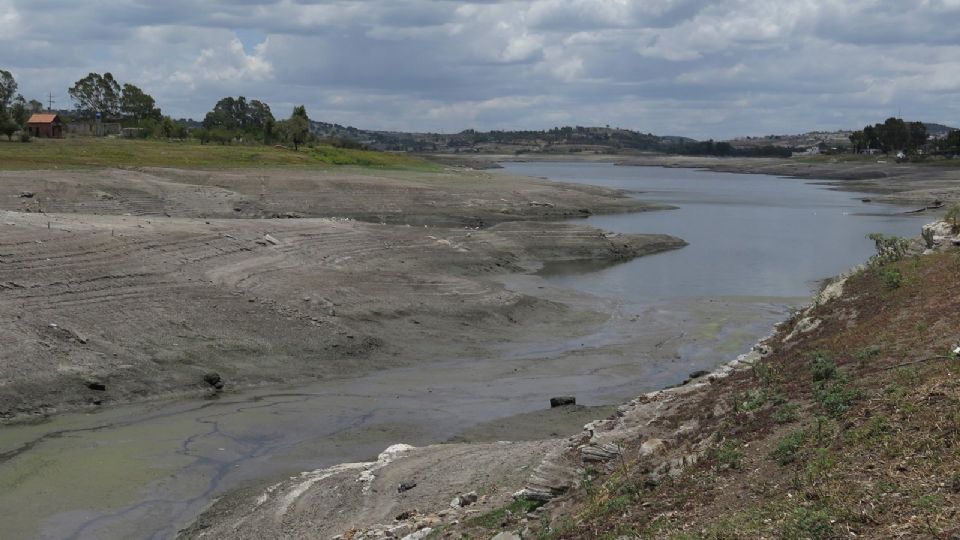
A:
[90,152]
[492,520]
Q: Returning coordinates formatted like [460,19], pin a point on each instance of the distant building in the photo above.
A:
[45,125]
[810,151]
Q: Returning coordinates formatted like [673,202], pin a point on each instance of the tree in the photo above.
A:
[35,106]
[135,104]
[7,126]
[296,129]
[8,88]
[19,112]
[253,118]
[97,93]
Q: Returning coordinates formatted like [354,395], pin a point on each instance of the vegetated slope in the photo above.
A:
[100,152]
[849,427]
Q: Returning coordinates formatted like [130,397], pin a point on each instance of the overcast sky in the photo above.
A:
[673,67]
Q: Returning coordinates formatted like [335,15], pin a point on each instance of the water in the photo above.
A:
[758,246]
[749,235]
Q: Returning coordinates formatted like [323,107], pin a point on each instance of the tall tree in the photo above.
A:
[35,106]
[8,89]
[237,114]
[135,104]
[97,93]
[19,112]
[296,129]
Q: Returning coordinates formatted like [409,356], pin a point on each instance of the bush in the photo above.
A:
[25,137]
[788,448]
[837,397]
[727,455]
[889,248]
[892,278]
[822,367]
[787,413]
[806,523]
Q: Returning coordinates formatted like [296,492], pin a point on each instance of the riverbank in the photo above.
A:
[839,424]
[122,285]
[907,183]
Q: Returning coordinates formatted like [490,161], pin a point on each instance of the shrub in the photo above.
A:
[807,523]
[822,367]
[788,447]
[728,456]
[837,397]
[787,413]
[25,137]
[892,278]
[889,248]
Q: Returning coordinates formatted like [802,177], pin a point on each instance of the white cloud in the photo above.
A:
[690,67]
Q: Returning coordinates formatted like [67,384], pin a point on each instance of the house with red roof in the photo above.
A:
[46,125]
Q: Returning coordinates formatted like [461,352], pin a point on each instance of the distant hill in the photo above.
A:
[938,130]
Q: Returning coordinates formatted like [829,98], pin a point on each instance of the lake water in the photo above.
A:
[749,235]
[758,247]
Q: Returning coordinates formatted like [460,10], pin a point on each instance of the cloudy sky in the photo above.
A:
[698,68]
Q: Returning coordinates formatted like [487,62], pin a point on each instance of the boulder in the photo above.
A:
[562,401]
[213,379]
[506,535]
[699,373]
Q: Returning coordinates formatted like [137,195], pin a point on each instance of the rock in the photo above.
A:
[405,486]
[399,531]
[465,499]
[213,379]
[699,373]
[652,447]
[593,453]
[271,239]
[26,194]
[562,401]
[764,350]
[507,535]
[96,385]
[419,535]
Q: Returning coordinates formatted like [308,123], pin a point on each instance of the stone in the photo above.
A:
[96,385]
[651,447]
[699,373]
[419,535]
[561,401]
[213,379]
[271,239]
[599,453]
[406,486]
[507,535]
[26,194]
[465,499]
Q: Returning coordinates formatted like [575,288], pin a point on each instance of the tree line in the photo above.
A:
[893,135]
[101,97]
[15,110]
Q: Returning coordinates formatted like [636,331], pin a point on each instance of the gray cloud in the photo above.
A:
[687,67]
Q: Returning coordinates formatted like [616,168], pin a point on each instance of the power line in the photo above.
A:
[50,101]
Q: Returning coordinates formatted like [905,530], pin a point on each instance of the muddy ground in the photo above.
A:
[126,285]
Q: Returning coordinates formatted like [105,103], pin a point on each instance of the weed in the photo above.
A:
[750,400]
[493,519]
[728,455]
[822,367]
[789,447]
[821,463]
[787,413]
[836,397]
[804,523]
[876,428]
[865,353]
[892,278]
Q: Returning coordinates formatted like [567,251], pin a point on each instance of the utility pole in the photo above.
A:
[50,101]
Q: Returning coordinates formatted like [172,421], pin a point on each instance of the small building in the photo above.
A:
[45,125]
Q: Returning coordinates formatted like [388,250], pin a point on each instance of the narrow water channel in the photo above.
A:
[758,246]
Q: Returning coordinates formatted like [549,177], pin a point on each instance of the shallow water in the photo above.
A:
[758,245]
